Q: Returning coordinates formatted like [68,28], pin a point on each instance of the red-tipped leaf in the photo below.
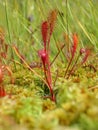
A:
[2,92]
[87,53]
[51,20]
[44,30]
[75,43]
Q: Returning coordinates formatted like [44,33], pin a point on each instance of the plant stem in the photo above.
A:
[73,66]
[57,54]
[68,66]
[49,79]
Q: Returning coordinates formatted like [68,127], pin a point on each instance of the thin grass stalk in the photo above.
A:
[7,21]
[67,22]
[10,41]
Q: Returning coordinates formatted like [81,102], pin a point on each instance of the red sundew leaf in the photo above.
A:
[44,30]
[75,43]
[51,20]
[1,76]
[87,53]
[2,92]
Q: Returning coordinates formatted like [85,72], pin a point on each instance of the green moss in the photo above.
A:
[75,108]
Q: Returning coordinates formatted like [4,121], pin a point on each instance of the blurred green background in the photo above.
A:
[21,20]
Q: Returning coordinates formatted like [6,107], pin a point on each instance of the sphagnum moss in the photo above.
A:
[26,106]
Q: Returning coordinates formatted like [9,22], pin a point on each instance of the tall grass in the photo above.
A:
[77,16]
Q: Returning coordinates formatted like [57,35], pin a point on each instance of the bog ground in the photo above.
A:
[48,65]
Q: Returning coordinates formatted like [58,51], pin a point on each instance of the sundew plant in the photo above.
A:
[48,65]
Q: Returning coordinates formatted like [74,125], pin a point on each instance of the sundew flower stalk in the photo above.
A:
[86,53]
[47,30]
[73,51]
[71,54]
